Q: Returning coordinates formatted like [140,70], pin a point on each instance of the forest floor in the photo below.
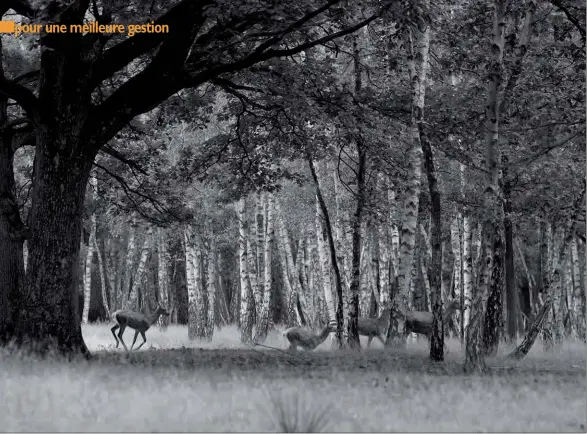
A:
[173,384]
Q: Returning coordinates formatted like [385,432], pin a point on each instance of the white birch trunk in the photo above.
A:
[325,268]
[263,322]
[246,292]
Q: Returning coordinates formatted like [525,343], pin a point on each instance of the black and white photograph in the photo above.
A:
[293,216]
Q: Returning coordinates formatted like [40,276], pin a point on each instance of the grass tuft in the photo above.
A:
[296,411]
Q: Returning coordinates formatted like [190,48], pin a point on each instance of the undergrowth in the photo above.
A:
[174,384]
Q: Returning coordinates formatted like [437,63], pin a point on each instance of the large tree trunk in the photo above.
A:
[417,73]
[474,358]
[49,311]
[11,234]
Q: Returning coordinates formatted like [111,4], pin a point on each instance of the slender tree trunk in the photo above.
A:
[246,292]
[260,234]
[191,283]
[212,288]
[545,260]
[88,267]
[437,335]
[577,289]
[264,320]
[103,282]
[201,307]
[342,295]
[136,280]
[163,277]
[512,300]
[325,267]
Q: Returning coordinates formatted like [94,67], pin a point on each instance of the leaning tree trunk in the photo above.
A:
[336,317]
[342,295]
[553,282]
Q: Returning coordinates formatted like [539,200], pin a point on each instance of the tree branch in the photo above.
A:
[570,17]
[24,97]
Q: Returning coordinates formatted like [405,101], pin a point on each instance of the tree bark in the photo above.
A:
[436,335]
[163,277]
[49,310]
[12,236]
[247,300]
[512,298]
[263,323]
[474,357]
[211,289]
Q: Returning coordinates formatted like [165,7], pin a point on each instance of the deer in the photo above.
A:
[374,327]
[421,322]
[300,337]
[139,322]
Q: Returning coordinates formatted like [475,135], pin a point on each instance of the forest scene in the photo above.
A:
[311,216]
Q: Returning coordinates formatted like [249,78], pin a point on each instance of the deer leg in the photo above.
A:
[381,340]
[144,340]
[122,327]
[369,339]
[113,329]
[135,339]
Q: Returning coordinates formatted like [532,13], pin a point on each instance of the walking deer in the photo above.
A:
[374,327]
[305,339]
[421,322]
[137,321]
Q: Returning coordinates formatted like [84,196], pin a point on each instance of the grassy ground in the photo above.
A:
[178,385]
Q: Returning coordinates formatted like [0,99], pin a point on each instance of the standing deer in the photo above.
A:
[374,327]
[421,322]
[305,339]
[137,321]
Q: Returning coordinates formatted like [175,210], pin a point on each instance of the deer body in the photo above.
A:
[299,337]
[421,322]
[374,327]
[139,322]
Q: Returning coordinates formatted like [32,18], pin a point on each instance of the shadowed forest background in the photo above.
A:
[267,165]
